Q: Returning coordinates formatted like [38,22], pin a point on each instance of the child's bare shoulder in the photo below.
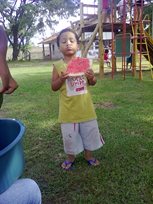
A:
[59,65]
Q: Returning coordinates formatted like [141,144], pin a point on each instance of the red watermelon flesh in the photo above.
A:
[78,65]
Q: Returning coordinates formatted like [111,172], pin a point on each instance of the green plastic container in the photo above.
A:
[11,152]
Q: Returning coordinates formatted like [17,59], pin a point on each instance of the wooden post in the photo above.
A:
[101,49]
[90,41]
[152,22]
[114,69]
[43,51]
[113,19]
[135,28]
[50,51]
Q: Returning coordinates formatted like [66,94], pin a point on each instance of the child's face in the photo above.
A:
[68,44]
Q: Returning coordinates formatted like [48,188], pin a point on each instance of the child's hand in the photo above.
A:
[89,74]
[91,77]
[64,76]
[58,80]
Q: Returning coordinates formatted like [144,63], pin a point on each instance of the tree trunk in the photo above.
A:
[15,53]
[15,45]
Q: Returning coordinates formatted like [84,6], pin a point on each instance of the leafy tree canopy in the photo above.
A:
[23,18]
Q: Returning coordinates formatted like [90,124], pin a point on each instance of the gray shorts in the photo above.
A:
[78,137]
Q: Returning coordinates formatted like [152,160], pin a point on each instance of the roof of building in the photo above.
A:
[49,39]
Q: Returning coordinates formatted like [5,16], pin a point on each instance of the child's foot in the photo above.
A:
[67,165]
[93,162]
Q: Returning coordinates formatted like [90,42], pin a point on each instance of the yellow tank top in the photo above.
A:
[75,102]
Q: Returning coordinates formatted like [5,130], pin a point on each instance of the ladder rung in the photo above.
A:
[141,43]
[146,21]
[143,37]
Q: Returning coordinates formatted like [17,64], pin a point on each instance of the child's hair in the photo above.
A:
[107,51]
[64,31]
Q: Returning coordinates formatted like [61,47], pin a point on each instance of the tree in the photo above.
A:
[23,18]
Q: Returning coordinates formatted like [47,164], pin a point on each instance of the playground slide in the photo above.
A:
[150,47]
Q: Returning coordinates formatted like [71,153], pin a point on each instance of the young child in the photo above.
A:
[76,111]
[106,58]
[122,8]
[106,11]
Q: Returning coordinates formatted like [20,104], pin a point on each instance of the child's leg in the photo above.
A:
[108,63]
[72,143]
[92,140]
[89,157]
[104,15]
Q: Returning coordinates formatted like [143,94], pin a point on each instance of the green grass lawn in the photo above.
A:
[125,116]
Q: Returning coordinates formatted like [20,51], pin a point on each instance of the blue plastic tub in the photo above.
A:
[11,152]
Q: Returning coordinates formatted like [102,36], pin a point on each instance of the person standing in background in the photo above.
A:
[22,191]
[106,11]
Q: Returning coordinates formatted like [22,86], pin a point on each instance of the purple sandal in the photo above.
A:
[93,162]
[67,165]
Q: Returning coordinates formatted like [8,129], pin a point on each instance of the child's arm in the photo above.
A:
[91,77]
[9,85]
[57,81]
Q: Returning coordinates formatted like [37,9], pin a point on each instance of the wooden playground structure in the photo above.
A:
[129,35]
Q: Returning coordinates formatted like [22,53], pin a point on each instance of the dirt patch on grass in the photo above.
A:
[105,105]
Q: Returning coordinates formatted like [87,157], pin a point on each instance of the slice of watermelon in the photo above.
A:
[78,65]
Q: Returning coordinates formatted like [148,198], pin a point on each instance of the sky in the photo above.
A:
[66,22]
[63,23]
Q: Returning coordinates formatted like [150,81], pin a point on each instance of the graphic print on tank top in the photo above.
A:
[76,83]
